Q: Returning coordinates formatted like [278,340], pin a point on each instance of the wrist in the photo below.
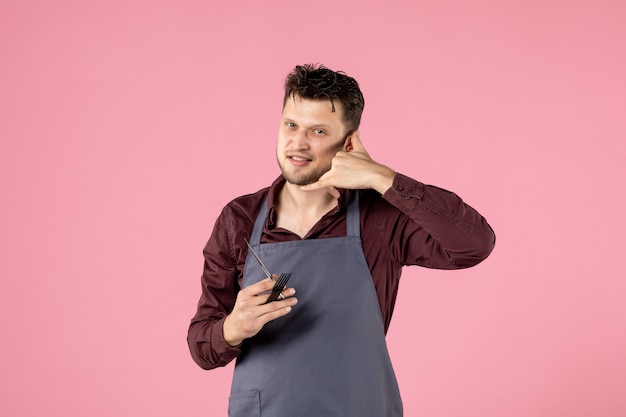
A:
[230,336]
[383,179]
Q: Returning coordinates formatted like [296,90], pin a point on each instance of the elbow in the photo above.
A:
[197,356]
[207,350]
[200,359]
[482,246]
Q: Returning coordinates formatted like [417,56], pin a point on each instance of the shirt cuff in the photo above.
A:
[403,191]
[223,350]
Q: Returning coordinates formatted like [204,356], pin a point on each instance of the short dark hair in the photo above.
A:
[314,81]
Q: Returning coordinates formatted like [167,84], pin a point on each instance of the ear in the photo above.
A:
[347,145]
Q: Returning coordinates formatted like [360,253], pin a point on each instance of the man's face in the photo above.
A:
[309,136]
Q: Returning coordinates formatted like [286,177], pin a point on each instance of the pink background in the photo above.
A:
[125,127]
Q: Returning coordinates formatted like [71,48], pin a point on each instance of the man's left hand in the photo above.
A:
[353,168]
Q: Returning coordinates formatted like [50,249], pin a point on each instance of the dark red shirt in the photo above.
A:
[411,224]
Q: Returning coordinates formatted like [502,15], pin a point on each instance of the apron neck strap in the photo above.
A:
[353,226]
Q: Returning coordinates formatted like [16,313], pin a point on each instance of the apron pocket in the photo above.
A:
[244,404]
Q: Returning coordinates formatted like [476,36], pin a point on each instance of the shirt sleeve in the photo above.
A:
[435,229]
[219,290]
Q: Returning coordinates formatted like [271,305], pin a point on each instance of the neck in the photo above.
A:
[312,202]
[298,211]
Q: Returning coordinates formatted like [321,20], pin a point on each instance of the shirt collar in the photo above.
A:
[278,184]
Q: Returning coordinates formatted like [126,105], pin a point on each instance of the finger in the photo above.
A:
[319,184]
[274,314]
[269,308]
[288,292]
[259,287]
[322,182]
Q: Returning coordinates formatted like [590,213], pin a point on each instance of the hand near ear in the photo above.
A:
[353,168]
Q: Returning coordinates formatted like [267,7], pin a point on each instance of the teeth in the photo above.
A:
[298,159]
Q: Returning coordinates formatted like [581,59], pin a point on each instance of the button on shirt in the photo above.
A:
[411,224]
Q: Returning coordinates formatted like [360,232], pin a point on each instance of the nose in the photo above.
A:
[299,140]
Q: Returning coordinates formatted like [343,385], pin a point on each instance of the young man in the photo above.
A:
[344,226]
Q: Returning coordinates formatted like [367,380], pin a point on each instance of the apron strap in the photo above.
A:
[255,238]
[353,226]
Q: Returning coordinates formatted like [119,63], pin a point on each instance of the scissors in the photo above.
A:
[263,267]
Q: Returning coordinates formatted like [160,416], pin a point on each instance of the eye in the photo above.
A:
[320,131]
[290,125]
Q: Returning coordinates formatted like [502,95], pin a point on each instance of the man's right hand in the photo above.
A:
[250,314]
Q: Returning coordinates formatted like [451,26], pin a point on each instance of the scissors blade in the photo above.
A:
[263,267]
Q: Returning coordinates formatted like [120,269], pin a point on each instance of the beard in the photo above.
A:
[305,175]
[302,176]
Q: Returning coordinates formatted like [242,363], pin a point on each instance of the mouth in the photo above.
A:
[298,160]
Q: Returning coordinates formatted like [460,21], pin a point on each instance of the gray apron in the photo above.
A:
[328,357]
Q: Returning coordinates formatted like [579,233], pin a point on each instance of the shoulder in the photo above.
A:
[234,223]
[246,207]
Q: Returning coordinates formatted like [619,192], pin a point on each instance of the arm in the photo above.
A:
[226,315]
[219,291]
[433,227]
